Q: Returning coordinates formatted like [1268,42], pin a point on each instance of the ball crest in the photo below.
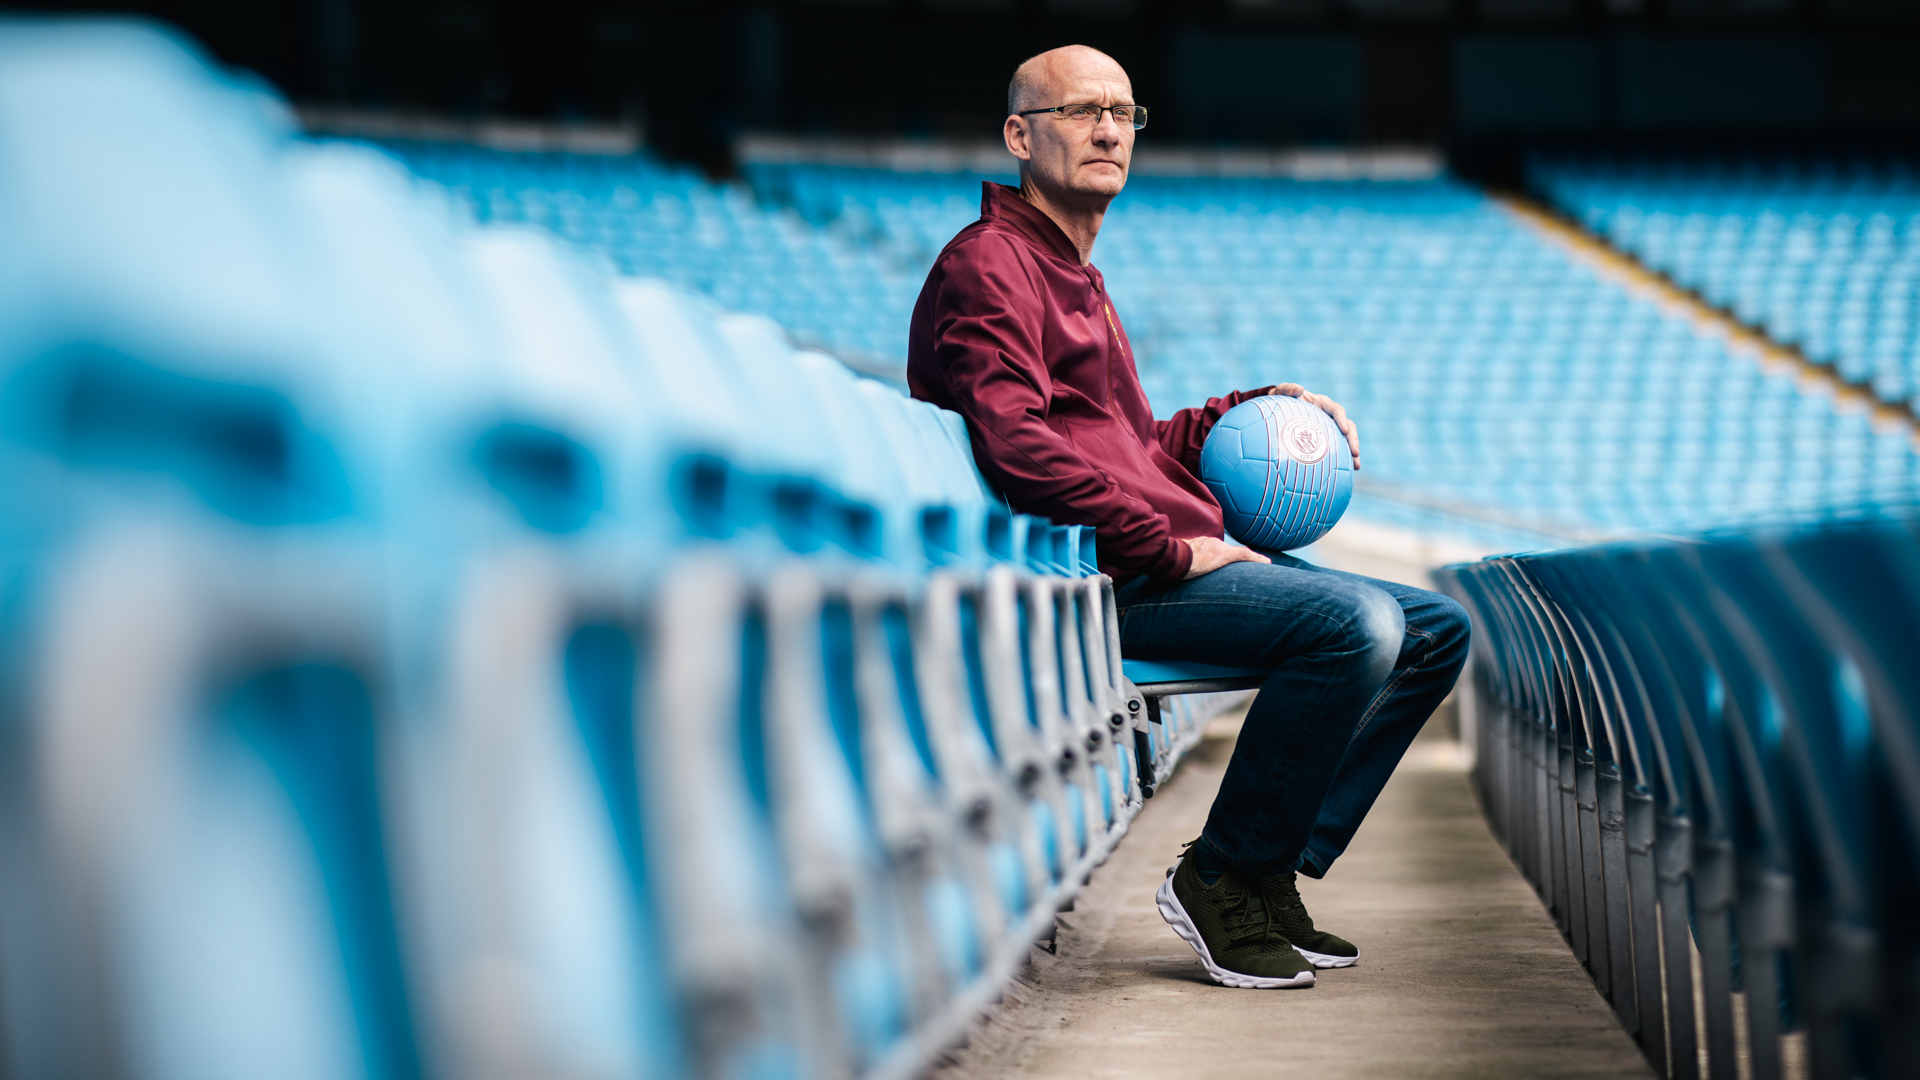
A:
[1280,471]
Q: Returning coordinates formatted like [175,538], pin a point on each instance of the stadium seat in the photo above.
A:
[1160,678]
[192,484]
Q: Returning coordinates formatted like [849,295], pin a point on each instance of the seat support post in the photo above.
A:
[1143,747]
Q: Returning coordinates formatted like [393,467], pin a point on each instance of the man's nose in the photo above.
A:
[1108,131]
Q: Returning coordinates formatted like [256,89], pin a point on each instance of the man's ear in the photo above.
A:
[1017,138]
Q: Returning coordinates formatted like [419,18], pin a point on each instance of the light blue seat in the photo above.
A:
[167,370]
[1160,678]
[516,522]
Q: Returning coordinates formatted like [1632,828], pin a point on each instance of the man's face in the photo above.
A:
[1076,159]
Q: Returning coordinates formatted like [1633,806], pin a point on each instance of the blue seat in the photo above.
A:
[1160,678]
[178,364]
[1752,690]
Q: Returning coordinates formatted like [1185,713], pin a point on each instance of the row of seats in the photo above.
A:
[431,654]
[1826,259]
[1492,373]
[1706,757]
[654,221]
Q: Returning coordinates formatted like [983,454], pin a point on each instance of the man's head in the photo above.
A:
[1070,161]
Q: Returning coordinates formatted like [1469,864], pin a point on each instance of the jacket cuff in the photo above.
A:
[1172,567]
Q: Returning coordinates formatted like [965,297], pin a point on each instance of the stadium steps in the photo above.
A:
[1683,301]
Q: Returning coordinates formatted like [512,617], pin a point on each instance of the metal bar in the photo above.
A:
[1546,823]
[1766,932]
[1643,891]
[1712,901]
[1673,858]
[1572,884]
[1613,875]
[1593,900]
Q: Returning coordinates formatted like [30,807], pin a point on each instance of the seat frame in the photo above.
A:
[1151,699]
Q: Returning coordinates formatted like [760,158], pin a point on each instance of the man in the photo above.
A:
[1015,331]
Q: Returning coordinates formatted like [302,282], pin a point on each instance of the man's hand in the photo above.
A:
[1332,408]
[1210,554]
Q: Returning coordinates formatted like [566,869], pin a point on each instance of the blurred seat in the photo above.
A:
[1717,686]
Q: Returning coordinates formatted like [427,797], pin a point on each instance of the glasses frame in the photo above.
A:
[1139,117]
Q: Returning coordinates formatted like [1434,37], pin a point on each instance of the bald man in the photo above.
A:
[1015,331]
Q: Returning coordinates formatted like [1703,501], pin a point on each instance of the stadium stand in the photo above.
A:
[434,648]
[1421,301]
[1708,750]
[1821,254]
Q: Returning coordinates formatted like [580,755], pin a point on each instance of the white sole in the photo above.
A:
[1322,960]
[1177,918]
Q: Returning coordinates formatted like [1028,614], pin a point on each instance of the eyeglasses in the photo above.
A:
[1134,116]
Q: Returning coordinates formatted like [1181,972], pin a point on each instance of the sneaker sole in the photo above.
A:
[1176,917]
[1326,960]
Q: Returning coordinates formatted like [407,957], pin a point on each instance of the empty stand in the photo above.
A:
[1822,254]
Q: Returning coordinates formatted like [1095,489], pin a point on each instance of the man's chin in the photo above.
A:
[1100,182]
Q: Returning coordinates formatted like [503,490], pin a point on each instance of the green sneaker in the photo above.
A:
[1324,950]
[1231,927]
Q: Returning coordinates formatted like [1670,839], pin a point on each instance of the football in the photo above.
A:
[1280,470]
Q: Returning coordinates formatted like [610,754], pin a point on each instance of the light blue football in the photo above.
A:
[1280,470]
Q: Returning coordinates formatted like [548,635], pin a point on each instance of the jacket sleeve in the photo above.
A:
[1183,434]
[987,315]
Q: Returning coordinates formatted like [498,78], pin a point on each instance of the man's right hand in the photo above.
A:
[1210,554]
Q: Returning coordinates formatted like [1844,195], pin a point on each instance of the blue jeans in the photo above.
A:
[1359,665]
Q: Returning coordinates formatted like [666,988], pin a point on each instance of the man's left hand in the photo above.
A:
[1332,408]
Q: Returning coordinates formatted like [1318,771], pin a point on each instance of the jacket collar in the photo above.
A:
[998,202]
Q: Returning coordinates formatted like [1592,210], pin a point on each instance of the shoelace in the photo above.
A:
[1247,914]
[1249,918]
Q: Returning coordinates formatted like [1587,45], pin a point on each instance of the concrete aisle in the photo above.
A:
[1461,972]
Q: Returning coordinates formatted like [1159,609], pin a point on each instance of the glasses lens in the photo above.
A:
[1134,116]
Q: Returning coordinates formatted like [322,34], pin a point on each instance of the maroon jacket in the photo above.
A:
[1015,335]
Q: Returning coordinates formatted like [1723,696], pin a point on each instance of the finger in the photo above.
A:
[1340,420]
[1289,389]
[1246,554]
